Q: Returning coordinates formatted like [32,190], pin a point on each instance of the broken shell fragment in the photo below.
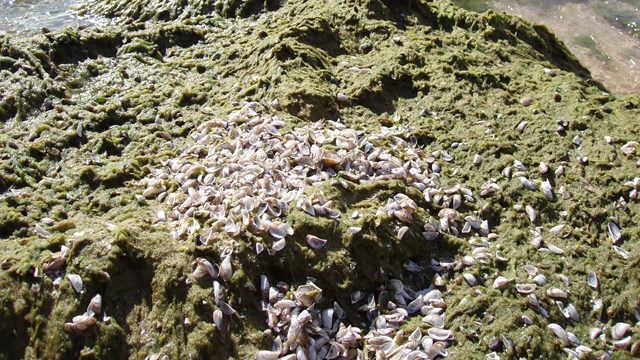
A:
[204,267]
[308,294]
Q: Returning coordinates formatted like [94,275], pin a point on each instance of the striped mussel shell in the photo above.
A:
[95,305]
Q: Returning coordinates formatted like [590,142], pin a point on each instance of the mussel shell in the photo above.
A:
[316,242]
[440,334]
[95,305]
[619,330]
[560,333]
[226,270]
[82,322]
[614,232]
[592,280]
[526,288]
[76,282]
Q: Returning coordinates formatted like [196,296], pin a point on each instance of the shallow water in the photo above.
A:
[27,16]
[604,35]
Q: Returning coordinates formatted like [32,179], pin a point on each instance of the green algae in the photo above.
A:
[588,43]
[137,89]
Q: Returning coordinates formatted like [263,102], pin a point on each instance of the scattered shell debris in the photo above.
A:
[253,174]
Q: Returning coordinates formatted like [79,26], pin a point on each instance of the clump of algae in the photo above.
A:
[86,112]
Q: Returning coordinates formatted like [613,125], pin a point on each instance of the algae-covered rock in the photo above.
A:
[231,130]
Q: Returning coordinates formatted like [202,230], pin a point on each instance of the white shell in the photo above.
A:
[543,167]
[571,313]
[526,288]
[76,282]
[42,232]
[547,189]
[471,280]
[434,320]
[500,282]
[554,249]
[218,292]
[217,318]
[527,183]
[521,126]
[540,279]
[82,322]
[402,231]
[619,330]
[267,355]
[279,231]
[227,309]
[440,334]
[95,305]
[560,333]
[530,269]
[629,148]
[204,267]
[557,229]
[614,232]
[226,270]
[264,286]
[316,242]
[556,293]
[592,280]
[622,343]
[594,333]
[519,165]
[531,213]
[279,245]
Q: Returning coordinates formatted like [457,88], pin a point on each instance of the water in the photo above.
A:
[29,16]
[604,35]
